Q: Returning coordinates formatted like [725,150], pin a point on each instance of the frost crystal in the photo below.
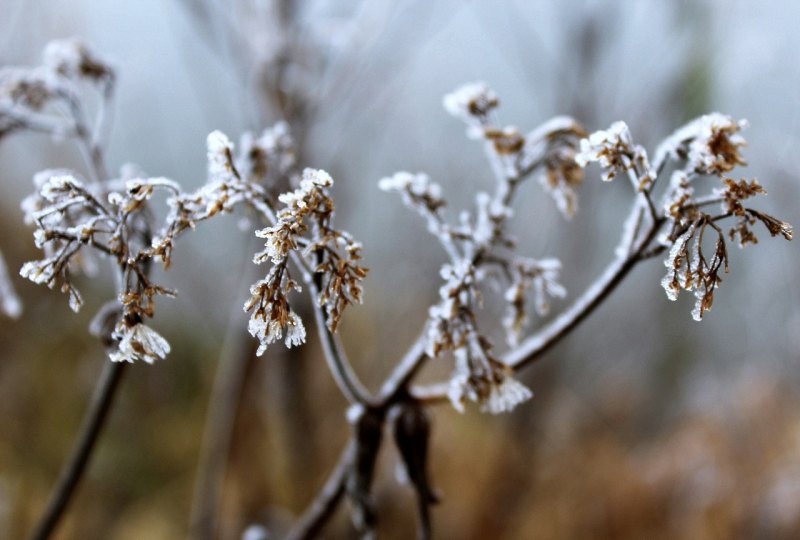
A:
[138,343]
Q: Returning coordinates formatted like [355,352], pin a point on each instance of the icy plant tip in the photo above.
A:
[138,342]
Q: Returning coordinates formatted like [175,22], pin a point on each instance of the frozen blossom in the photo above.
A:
[606,148]
[268,157]
[507,141]
[505,396]
[677,262]
[271,315]
[691,269]
[28,88]
[138,343]
[220,156]
[614,150]
[471,102]
[308,211]
[280,240]
[483,380]
[710,144]
[530,277]
[308,196]
[72,58]
[270,331]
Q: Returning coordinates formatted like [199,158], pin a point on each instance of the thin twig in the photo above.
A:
[323,506]
[403,372]
[73,471]
[340,367]
[223,405]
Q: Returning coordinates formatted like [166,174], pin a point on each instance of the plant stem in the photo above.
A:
[229,382]
[323,506]
[403,372]
[72,473]
[340,367]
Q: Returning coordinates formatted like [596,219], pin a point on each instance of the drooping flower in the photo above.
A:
[72,58]
[710,144]
[138,342]
[484,380]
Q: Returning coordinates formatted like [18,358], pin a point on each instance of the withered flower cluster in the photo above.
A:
[480,250]
[304,222]
[112,216]
[70,215]
[30,97]
[693,236]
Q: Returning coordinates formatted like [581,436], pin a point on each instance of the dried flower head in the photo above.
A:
[562,177]
[72,58]
[692,269]
[710,144]
[269,157]
[537,277]
[27,88]
[138,343]
[615,151]
[472,102]
[506,141]
[482,379]
[304,222]
[271,314]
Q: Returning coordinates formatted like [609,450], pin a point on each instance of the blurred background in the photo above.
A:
[645,424]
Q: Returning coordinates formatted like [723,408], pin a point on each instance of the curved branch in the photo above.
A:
[403,372]
[73,471]
[340,367]
[533,347]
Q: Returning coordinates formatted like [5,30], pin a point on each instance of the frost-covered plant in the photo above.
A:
[78,220]
[10,305]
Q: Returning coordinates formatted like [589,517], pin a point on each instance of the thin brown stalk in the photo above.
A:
[326,502]
[226,392]
[90,430]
